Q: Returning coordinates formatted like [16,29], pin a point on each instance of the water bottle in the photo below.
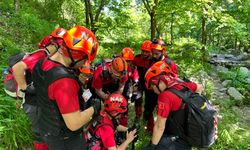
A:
[5,72]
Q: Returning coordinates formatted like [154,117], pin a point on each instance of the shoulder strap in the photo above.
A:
[57,73]
[183,93]
[168,61]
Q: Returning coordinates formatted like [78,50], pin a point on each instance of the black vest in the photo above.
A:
[50,118]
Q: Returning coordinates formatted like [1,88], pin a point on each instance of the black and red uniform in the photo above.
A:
[101,134]
[52,82]
[136,96]
[150,96]
[143,65]
[30,104]
[102,79]
[168,105]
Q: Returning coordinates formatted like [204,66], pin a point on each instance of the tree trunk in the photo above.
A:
[235,44]
[17,5]
[203,31]
[171,28]
[152,21]
[86,14]
[239,46]
[203,39]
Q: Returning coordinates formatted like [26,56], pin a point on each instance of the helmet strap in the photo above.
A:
[73,62]
[114,120]
[71,58]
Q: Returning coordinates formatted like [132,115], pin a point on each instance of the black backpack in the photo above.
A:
[201,119]
[13,59]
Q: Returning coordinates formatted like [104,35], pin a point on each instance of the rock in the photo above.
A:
[243,112]
[247,80]
[222,69]
[235,93]
[222,89]
[244,71]
[226,83]
[246,116]
[241,56]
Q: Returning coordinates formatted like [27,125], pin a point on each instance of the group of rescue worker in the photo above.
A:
[75,105]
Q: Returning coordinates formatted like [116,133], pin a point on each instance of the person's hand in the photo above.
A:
[150,147]
[131,135]
[96,104]
[137,127]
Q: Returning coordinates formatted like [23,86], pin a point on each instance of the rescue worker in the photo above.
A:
[22,74]
[101,133]
[58,91]
[158,49]
[131,91]
[110,77]
[142,62]
[159,78]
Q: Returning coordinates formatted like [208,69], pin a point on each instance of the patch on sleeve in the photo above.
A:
[161,105]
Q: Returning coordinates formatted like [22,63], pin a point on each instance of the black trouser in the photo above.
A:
[172,143]
[150,103]
[75,141]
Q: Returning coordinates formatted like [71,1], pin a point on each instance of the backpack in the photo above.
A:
[10,85]
[94,142]
[201,119]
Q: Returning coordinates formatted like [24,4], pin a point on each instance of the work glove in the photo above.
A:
[96,104]
[150,147]
[137,127]
[30,89]
[120,137]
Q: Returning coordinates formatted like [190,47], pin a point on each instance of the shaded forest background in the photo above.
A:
[192,29]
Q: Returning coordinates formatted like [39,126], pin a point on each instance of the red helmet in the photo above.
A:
[55,38]
[58,33]
[115,103]
[146,46]
[81,41]
[158,44]
[127,54]
[159,71]
[118,67]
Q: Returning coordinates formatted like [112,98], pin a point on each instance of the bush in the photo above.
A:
[14,126]
[188,56]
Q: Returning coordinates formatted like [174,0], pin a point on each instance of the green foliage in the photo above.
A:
[127,24]
[238,81]
[14,126]
[233,133]
[190,49]
[29,27]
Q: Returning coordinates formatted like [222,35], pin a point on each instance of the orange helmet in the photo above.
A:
[115,103]
[81,41]
[127,53]
[146,46]
[158,44]
[118,67]
[159,71]
[86,68]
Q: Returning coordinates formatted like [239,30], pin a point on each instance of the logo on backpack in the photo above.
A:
[201,122]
